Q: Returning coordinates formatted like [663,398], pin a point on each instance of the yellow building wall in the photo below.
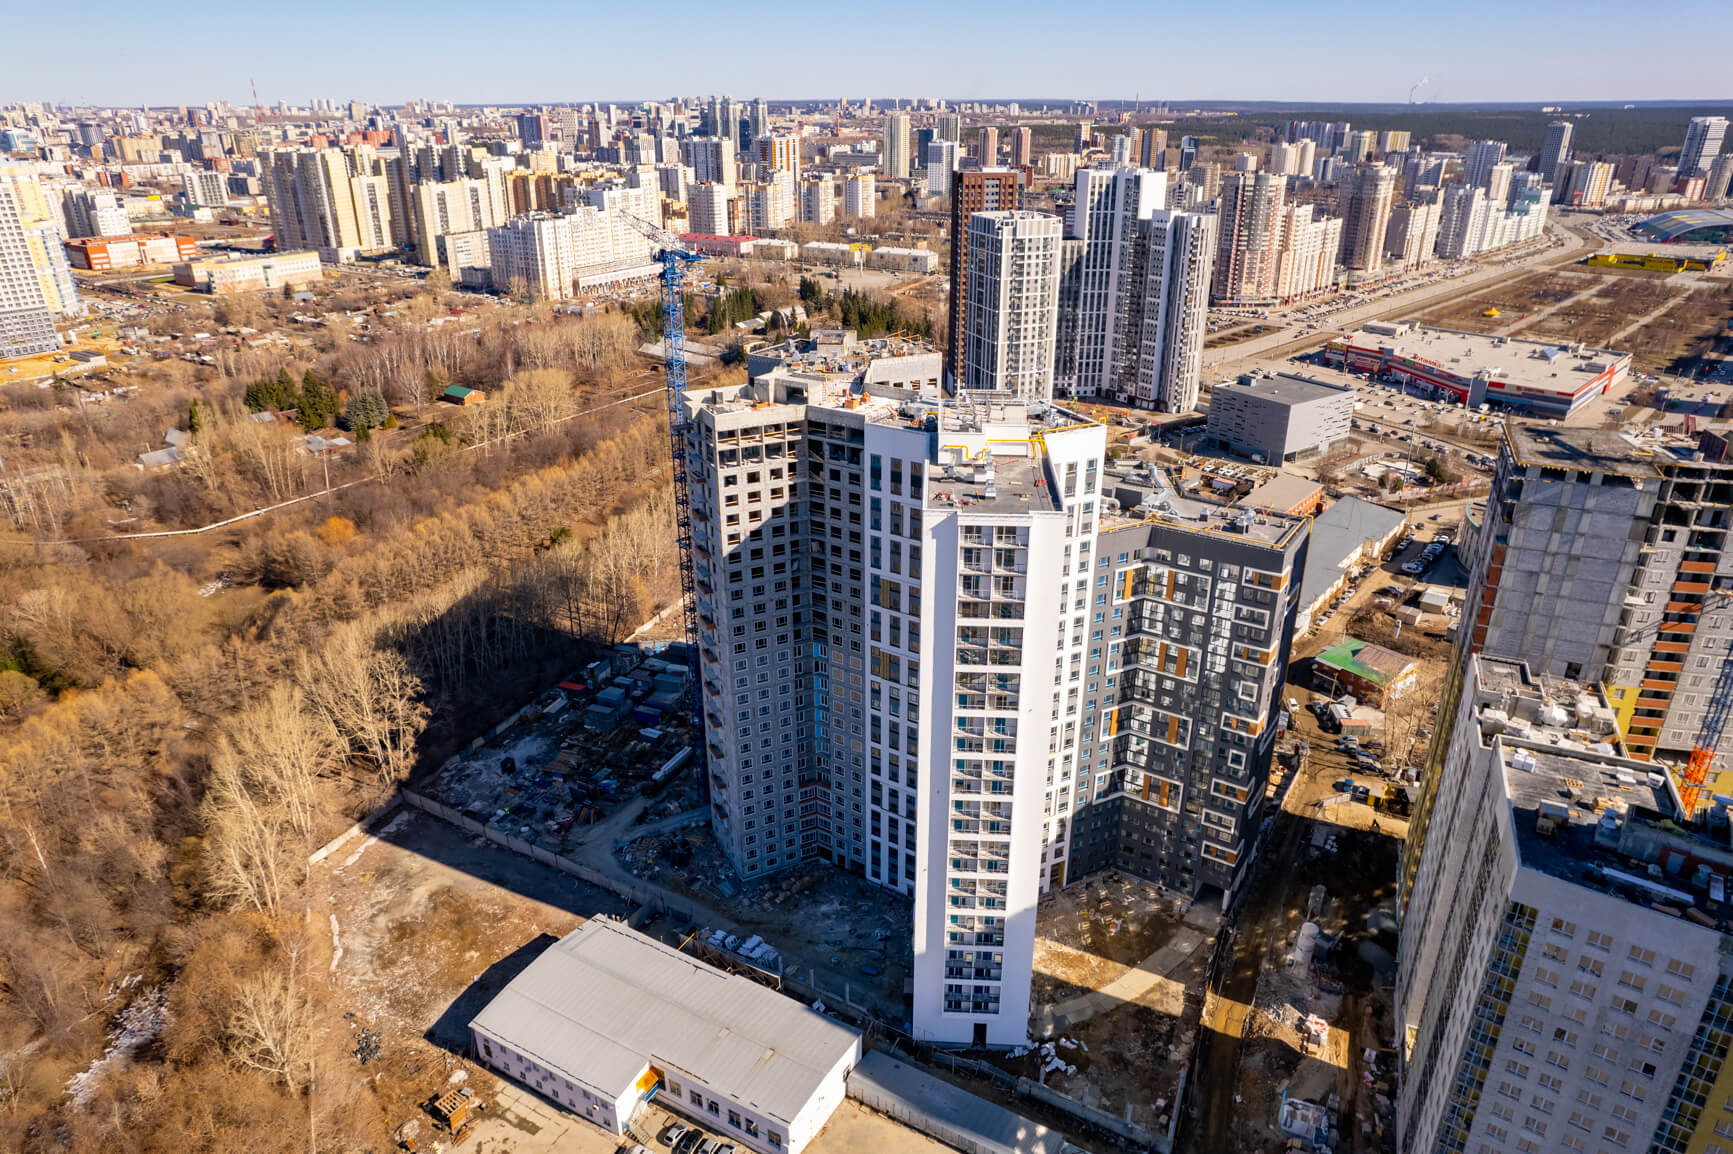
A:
[1717,1110]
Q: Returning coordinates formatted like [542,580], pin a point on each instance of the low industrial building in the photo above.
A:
[1709,258]
[724,246]
[1279,418]
[1349,535]
[890,258]
[1532,377]
[236,274]
[834,253]
[1286,493]
[101,253]
[1366,672]
[609,1019]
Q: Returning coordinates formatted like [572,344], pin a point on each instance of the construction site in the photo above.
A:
[615,731]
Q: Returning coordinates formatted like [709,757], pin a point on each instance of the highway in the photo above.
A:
[1291,341]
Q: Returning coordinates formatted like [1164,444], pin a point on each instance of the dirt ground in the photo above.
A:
[1086,935]
[816,914]
[1117,958]
[1513,299]
[421,926]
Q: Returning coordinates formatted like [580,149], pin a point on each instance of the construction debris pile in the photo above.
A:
[618,728]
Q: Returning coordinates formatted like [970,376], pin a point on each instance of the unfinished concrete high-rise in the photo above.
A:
[1602,558]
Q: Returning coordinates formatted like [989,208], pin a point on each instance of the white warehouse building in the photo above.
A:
[609,1019]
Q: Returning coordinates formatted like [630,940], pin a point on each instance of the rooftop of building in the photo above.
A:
[1281,492]
[1363,659]
[605,1001]
[837,351]
[1143,494]
[1585,813]
[1671,226]
[85,241]
[1283,389]
[1546,366]
[1575,447]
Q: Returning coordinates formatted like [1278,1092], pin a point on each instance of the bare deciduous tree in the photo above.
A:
[371,699]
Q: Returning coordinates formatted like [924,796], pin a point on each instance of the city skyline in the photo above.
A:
[1452,60]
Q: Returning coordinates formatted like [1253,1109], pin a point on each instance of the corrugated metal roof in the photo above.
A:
[605,1000]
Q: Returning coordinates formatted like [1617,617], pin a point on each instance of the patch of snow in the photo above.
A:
[134,1028]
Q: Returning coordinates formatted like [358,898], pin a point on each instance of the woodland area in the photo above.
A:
[184,719]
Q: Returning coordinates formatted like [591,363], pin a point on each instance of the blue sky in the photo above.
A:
[1543,51]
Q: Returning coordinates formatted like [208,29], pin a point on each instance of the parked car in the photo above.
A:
[1362,794]
[675,1132]
[1412,568]
[1343,786]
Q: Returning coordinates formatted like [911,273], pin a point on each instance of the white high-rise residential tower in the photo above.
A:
[1477,162]
[927,651]
[1703,142]
[1100,235]
[1011,309]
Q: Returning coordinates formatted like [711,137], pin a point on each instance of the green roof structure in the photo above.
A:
[1371,663]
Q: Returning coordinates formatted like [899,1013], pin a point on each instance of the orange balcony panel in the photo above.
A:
[1654,703]
[1691,586]
[1659,686]
[1672,647]
[1683,606]
[1656,665]
[1676,627]
[1696,566]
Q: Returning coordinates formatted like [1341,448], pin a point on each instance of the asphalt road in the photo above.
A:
[1291,341]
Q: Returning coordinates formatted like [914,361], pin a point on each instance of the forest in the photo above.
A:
[1601,130]
[183,719]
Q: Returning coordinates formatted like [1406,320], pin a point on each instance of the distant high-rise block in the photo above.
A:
[974,190]
[1364,206]
[987,147]
[896,146]
[1249,241]
[1022,148]
[1011,308]
[1555,152]
[1704,139]
[1478,161]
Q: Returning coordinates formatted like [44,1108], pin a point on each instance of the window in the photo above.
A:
[734,1119]
[1680,969]
[1600,941]
[697,1098]
[1642,956]
[1564,928]
[774,1138]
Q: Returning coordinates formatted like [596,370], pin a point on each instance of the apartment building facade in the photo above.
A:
[974,190]
[1011,303]
[1551,992]
[911,632]
[1249,237]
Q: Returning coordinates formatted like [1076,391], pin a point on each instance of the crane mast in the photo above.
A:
[674,257]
